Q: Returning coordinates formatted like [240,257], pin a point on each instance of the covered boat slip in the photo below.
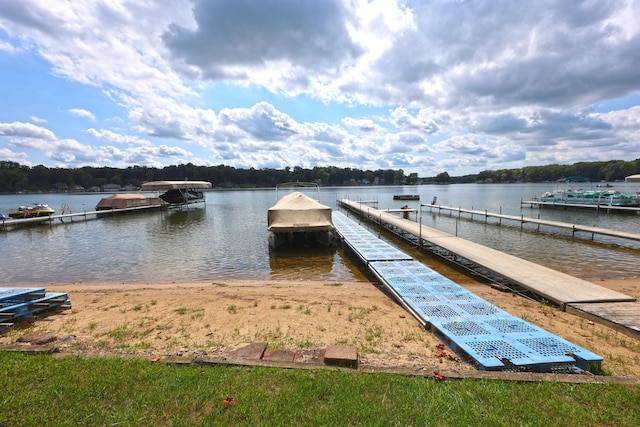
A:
[177,193]
[297,216]
[490,337]
[128,200]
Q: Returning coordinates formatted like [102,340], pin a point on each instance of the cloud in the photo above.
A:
[427,84]
[78,112]
[234,40]
[17,131]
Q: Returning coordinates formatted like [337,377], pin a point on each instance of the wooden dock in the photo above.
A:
[85,215]
[574,228]
[552,285]
[599,208]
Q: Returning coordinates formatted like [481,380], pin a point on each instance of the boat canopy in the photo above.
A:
[633,178]
[574,179]
[127,200]
[297,212]
[175,185]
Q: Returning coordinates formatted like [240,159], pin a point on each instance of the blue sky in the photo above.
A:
[425,86]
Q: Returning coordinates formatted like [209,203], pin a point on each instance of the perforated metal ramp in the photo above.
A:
[21,304]
[486,335]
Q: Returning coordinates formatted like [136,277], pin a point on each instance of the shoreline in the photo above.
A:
[214,317]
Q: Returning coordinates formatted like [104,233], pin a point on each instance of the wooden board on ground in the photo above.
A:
[621,316]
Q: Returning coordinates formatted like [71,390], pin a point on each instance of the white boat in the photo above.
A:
[298,219]
[580,196]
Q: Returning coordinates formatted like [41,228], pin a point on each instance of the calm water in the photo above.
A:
[226,238]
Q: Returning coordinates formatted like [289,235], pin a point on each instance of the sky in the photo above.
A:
[426,86]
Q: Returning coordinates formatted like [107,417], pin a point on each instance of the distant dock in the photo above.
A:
[574,228]
[534,203]
[59,219]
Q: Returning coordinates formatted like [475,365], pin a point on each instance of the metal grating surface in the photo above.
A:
[469,325]
[462,328]
[10,295]
[18,304]
[511,325]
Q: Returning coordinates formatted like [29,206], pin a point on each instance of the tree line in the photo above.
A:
[16,178]
[608,171]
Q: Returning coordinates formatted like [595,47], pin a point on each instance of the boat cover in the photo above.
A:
[127,200]
[175,185]
[297,212]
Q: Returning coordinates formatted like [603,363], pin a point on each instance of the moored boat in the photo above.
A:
[580,196]
[299,220]
[32,211]
[128,200]
[178,193]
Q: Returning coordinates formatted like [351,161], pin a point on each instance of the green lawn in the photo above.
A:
[40,390]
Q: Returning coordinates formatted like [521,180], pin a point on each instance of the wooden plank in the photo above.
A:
[621,316]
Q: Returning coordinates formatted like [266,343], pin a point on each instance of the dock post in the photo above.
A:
[486,215]
[420,236]
[500,221]
[521,221]
[538,223]
[456,227]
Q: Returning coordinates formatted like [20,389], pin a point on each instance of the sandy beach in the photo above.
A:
[213,318]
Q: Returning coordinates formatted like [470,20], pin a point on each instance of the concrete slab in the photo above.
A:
[38,338]
[277,355]
[343,356]
[253,351]
[313,356]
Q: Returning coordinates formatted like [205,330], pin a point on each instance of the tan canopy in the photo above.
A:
[298,212]
[175,185]
[633,178]
[127,200]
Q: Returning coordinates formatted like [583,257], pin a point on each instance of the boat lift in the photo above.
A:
[178,193]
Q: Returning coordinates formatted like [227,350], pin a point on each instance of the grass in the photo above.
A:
[41,390]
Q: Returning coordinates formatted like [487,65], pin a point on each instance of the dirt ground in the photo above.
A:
[213,318]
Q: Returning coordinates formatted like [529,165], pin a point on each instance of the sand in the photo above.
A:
[214,318]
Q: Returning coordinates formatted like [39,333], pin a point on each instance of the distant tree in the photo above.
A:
[443,178]
[412,178]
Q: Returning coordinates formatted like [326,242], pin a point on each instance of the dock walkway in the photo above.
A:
[489,337]
[558,224]
[570,293]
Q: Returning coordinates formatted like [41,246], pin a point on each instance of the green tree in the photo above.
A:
[443,178]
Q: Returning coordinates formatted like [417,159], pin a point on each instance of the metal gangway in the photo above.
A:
[482,333]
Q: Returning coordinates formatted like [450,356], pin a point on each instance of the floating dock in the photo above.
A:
[487,336]
[18,305]
[570,293]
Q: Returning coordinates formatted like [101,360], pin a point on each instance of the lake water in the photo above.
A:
[226,238]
